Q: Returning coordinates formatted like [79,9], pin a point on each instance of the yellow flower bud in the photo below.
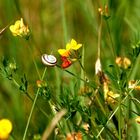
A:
[5,129]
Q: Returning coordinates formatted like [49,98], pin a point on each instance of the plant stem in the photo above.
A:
[134,99]
[31,112]
[135,68]
[64,21]
[100,104]
[82,69]
[28,95]
[36,67]
[112,46]
[113,113]
[120,117]
[99,38]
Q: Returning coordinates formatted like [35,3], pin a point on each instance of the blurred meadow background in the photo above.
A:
[52,24]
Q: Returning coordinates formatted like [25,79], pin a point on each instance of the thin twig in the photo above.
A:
[53,123]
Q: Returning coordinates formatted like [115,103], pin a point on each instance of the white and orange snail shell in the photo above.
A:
[49,60]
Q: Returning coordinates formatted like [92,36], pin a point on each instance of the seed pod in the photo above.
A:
[49,60]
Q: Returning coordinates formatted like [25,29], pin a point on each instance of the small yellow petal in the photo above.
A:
[21,23]
[13,30]
[113,95]
[64,52]
[78,46]
[68,46]
[17,24]
[73,42]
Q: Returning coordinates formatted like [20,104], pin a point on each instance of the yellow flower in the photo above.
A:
[112,96]
[123,62]
[132,84]
[109,96]
[72,45]
[126,62]
[19,29]
[5,129]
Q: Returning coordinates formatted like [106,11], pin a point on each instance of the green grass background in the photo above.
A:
[52,24]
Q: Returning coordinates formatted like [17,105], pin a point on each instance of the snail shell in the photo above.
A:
[49,60]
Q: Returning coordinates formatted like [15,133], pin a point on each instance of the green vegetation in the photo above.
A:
[91,91]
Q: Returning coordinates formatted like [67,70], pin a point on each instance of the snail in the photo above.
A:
[49,60]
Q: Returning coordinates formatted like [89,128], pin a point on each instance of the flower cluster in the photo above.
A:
[5,129]
[19,29]
[132,84]
[104,11]
[69,54]
[123,62]
[109,96]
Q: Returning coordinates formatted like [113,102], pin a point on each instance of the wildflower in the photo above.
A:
[69,47]
[138,119]
[49,60]
[119,61]
[69,54]
[86,127]
[5,129]
[65,62]
[74,136]
[109,96]
[19,29]
[123,62]
[126,62]
[133,85]
[104,12]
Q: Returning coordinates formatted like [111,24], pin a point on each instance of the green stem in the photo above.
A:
[112,46]
[120,117]
[126,106]
[40,109]
[134,99]
[99,38]
[135,68]
[82,69]
[28,95]
[95,126]
[64,21]
[85,81]
[102,108]
[117,108]
[36,67]
[31,112]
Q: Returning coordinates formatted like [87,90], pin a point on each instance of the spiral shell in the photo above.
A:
[49,60]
